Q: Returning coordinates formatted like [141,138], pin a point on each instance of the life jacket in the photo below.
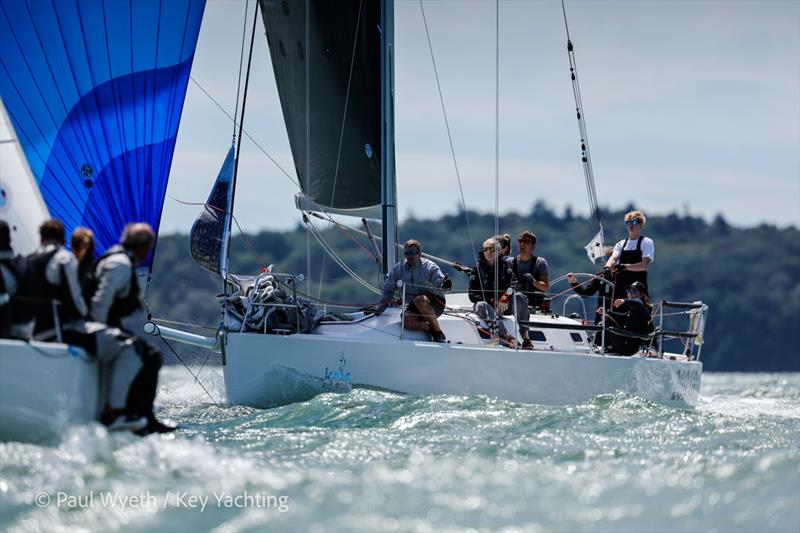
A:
[535,296]
[481,283]
[35,294]
[122,305]
[626,278]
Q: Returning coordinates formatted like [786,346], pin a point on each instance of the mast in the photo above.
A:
[388,183]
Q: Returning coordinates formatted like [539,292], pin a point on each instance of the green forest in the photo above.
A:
[749,277]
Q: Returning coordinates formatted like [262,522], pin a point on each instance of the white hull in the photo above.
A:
[45,388]
[266,370]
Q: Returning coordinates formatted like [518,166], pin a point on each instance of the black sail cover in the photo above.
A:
[336,129]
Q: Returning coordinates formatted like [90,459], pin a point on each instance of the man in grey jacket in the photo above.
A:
[424,285]
[116,301]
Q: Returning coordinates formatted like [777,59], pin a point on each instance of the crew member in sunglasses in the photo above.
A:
[425,285]
[632,255]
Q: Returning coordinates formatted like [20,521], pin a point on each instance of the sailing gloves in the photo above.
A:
[447,284]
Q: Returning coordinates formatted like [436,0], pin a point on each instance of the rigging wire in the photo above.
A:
[325,246]
[308,138]
[586,158]
[186,366]
[246,133]
[497,143]
[241,60]
[244,104]
[450,138]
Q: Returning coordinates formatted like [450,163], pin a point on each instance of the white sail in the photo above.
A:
[21,204]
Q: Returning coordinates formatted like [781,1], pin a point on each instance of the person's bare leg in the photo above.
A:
[427,313]
[416,323]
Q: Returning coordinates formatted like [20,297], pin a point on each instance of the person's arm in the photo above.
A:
[475,293]
[641,266]
[587,288]
[542,279]
[614,259]
[435,275]
[113,278]
[387,292]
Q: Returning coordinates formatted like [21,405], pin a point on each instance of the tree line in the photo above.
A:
[749,277]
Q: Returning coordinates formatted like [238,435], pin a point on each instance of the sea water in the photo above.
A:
[368,460]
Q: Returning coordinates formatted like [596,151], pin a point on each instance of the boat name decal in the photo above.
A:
[342,374]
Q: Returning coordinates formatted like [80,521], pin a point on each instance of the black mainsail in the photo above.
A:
[326,56]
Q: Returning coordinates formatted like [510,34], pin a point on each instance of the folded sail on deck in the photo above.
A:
[95,92]
[328,76]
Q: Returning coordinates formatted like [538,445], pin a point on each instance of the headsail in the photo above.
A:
[329,89]
[21,205]
[209,235]
[95,91]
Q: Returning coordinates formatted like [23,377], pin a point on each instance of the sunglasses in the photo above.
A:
[489,249]
[633,291]
[632,222]
[525,241]
[411,252]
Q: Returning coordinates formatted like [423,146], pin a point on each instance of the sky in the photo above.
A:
[691,107]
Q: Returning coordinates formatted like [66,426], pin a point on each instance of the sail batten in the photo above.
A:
[95,91]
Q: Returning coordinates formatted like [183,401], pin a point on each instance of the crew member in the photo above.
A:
[630,315]
[424,285]
[116,301]
[490,299]
[530,272]
[632,255]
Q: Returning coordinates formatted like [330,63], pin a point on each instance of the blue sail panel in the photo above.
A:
[95,91]
[208,237]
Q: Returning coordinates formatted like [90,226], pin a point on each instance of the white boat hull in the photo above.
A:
[45,388]
[267,370]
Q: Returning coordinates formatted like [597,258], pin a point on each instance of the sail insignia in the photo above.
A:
[95,92]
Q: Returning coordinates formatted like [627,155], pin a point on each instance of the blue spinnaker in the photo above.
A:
[95,91]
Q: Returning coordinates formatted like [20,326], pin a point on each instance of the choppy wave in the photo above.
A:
[380,461]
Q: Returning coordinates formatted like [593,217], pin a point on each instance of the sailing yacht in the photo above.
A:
[96,119]
[333,64]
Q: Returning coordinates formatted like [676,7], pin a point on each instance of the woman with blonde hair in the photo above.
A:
[81,242]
